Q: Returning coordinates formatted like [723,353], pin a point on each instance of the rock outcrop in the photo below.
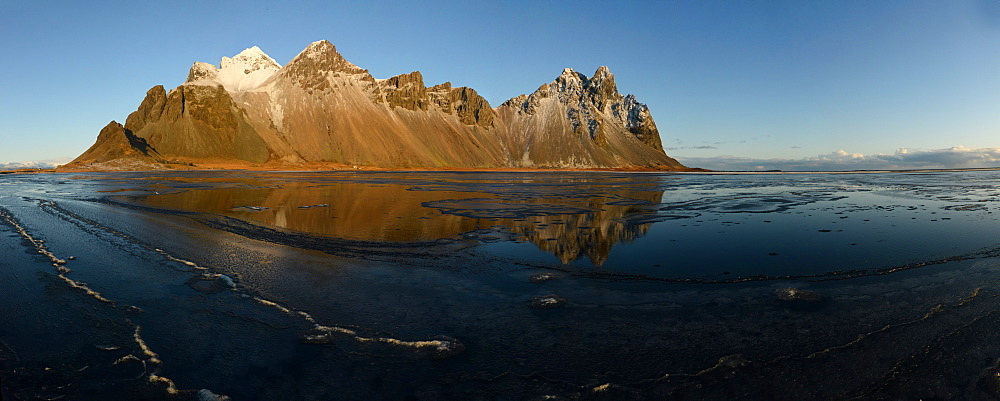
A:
[321,108]
[197,122]
[116,142]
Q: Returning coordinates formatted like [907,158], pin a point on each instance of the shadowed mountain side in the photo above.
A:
[115,142]
[569,228]
[320,108]
[197,121]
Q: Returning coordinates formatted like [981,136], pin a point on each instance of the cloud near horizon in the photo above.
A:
[690,147]
[47,163]
[902,159]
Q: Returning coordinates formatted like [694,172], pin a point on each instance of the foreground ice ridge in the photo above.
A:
[153,359]
[39,246]
[207,395]
[151,363]
[438,347]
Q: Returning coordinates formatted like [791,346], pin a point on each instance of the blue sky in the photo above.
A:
[770,84]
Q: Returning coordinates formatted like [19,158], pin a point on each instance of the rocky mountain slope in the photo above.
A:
[321,109]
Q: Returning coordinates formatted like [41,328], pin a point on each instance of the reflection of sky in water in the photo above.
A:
[670,283]
[703,227]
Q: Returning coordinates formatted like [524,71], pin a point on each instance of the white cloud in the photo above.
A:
[47,163]
[702,147]
[902,159]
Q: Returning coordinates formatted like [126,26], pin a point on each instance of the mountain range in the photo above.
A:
[322,111]
[35,164]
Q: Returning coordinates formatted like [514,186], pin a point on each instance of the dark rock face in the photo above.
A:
[212,106]
[639,122]
[193,121]
[116,142]
[464,102]
[113,132]
[310,68]
[440,96]
[589,102]
[602,89]
[515,102]
[150,109]
[406,91]
[204,122]
[471,108]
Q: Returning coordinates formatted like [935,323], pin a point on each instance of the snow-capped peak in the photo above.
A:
[252,56]
[246,70]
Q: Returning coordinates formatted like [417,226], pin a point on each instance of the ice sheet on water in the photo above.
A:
[250,208]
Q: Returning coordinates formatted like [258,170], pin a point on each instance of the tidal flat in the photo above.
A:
[196,285]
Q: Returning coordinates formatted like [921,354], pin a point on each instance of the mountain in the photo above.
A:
[323,111]
[35,164]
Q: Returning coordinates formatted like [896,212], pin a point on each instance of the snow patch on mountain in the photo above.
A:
[247,70]
[243,72]
[630,112]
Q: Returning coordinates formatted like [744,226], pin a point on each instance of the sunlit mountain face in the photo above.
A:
[322,109]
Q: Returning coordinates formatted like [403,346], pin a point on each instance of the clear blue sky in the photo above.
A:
[746,79]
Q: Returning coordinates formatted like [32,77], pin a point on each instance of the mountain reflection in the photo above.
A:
[586,221]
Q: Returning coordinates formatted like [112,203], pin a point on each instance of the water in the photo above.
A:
[395,285]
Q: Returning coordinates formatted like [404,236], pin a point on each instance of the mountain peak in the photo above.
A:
[243,72]
[569,81]
[320,49]
[252,51]
[571,74]
[313,65]
[251,57]
[321,43]
[602,88]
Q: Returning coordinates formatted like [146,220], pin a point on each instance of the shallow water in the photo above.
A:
[394,285]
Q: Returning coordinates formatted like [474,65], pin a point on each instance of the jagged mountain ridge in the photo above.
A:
[321,108]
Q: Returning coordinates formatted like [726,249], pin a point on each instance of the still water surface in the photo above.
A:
[446,285]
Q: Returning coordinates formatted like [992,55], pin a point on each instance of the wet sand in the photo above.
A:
[475,285]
